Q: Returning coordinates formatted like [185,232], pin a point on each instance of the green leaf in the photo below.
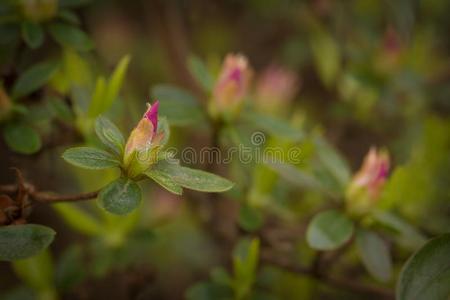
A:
[60,108]
[200,72]
[245,263]
[70,269]
[120,197]
[333,161]
[193,179]
[374,254]
[23,241]
[274,126]
[164,180]
[109,135]
[250,218]
[34,78]
[79,220]
[179,106]
[36,271]
[326,54]
[106,93]
[329,230]
[21,138]
[69,16]
[71,36]
[90,158]
[32,34]
[426,274]
[163,126]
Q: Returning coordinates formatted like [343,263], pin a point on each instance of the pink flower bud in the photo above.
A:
[232,85]
[368,182]
[143,143]
[275,88]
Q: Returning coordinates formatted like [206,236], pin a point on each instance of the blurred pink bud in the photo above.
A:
[373,173]
[233,82]
[143,142]
[276,87]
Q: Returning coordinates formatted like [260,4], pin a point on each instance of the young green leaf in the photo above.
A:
[34,78]
[193,179]
[71,36]
[200,72]
[426,274]
[329,230]
[164,180]
[163,126]
[120,197]
[374,254]
[22,241]
[106,92]
[21,138]
[32,34]
[90,158]
[245,262]
[110,135]
[179,106]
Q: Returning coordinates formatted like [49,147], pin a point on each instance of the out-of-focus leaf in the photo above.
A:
[21,138]
[274,126]
[61,109]
[245,262]
[250,218]
[70,269]
[69,16]
[90,158]
[23,241]
[409,236]
[34,78]
[179,106]
[374,254]
[72,3]
[106,92]
[70,36]
[19,293]
[200,72]
[333,161]
[36,272]
[329,230]
[197,180]
[110,135]
[208,291]
[297,176]
[426,275]
[79,220]
[120,197]
[326,54]
[32,34]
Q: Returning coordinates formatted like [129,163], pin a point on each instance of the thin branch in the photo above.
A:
[47,197]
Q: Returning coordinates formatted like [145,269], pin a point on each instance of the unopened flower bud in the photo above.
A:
[275,88]
[141,150]
[231,86]
[367,184]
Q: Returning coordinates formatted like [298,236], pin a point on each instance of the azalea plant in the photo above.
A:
[313,168]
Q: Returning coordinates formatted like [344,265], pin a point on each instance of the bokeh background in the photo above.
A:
[368,73]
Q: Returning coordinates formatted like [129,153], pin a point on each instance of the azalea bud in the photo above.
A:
[141,150]
[368,182]
[275,88]
[38,10]
[232,85]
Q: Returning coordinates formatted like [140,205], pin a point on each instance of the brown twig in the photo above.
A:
[47,197]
